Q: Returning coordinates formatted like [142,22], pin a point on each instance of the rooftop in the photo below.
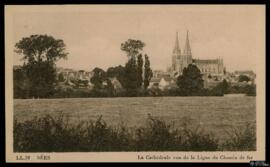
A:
[205,61]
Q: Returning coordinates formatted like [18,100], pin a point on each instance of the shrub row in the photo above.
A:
[48,134]
[249,90]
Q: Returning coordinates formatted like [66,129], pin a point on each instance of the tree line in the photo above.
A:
[37,78]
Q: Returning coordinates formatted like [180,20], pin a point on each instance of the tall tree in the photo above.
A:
[131,72]
[38,48]
[40,52]
[98,78]
[139,71]
[148,74]
[20,84]
[42,79]
[190,81]
[132,47]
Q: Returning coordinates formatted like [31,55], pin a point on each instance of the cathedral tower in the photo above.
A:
[176,54]
[187,55]
[215,67]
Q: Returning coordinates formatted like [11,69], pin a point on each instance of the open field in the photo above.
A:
[214,114]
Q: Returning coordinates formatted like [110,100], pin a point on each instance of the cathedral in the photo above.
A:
[180,60]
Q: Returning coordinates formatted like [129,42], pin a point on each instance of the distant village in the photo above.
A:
[213,72]
[160,79]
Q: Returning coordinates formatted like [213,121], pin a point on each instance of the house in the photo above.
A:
[162,82]
[116,84]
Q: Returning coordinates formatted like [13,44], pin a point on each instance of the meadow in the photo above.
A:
[215,114]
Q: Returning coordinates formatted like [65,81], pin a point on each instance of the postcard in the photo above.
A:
[135,83]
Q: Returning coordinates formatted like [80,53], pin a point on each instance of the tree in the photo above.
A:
[134,67]
[132,81]
[109,88]
[118,72]
[250,90]
[40,52]
[20,84]
[225,86]
[132,47]
[98,78]
[221,88]
[190,81]
[42,78]
[243,78]
[148,74]
[131,72]
[139,71]
[38,48]
[61,77]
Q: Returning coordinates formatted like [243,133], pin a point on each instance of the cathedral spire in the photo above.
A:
[176,49]
[187,50]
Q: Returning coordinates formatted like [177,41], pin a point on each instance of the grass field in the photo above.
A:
[214,114]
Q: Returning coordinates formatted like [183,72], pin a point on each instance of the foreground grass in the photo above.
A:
[49,134]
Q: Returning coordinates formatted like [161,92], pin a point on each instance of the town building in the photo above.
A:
[163,82]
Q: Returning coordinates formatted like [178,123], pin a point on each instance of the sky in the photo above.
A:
[93,33]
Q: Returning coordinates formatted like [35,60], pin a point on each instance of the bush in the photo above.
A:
[241,140]
[156,136]
[48,134]
[243,78]
[249,90]
[197,140]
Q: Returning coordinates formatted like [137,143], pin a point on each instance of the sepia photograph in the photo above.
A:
[135,83]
